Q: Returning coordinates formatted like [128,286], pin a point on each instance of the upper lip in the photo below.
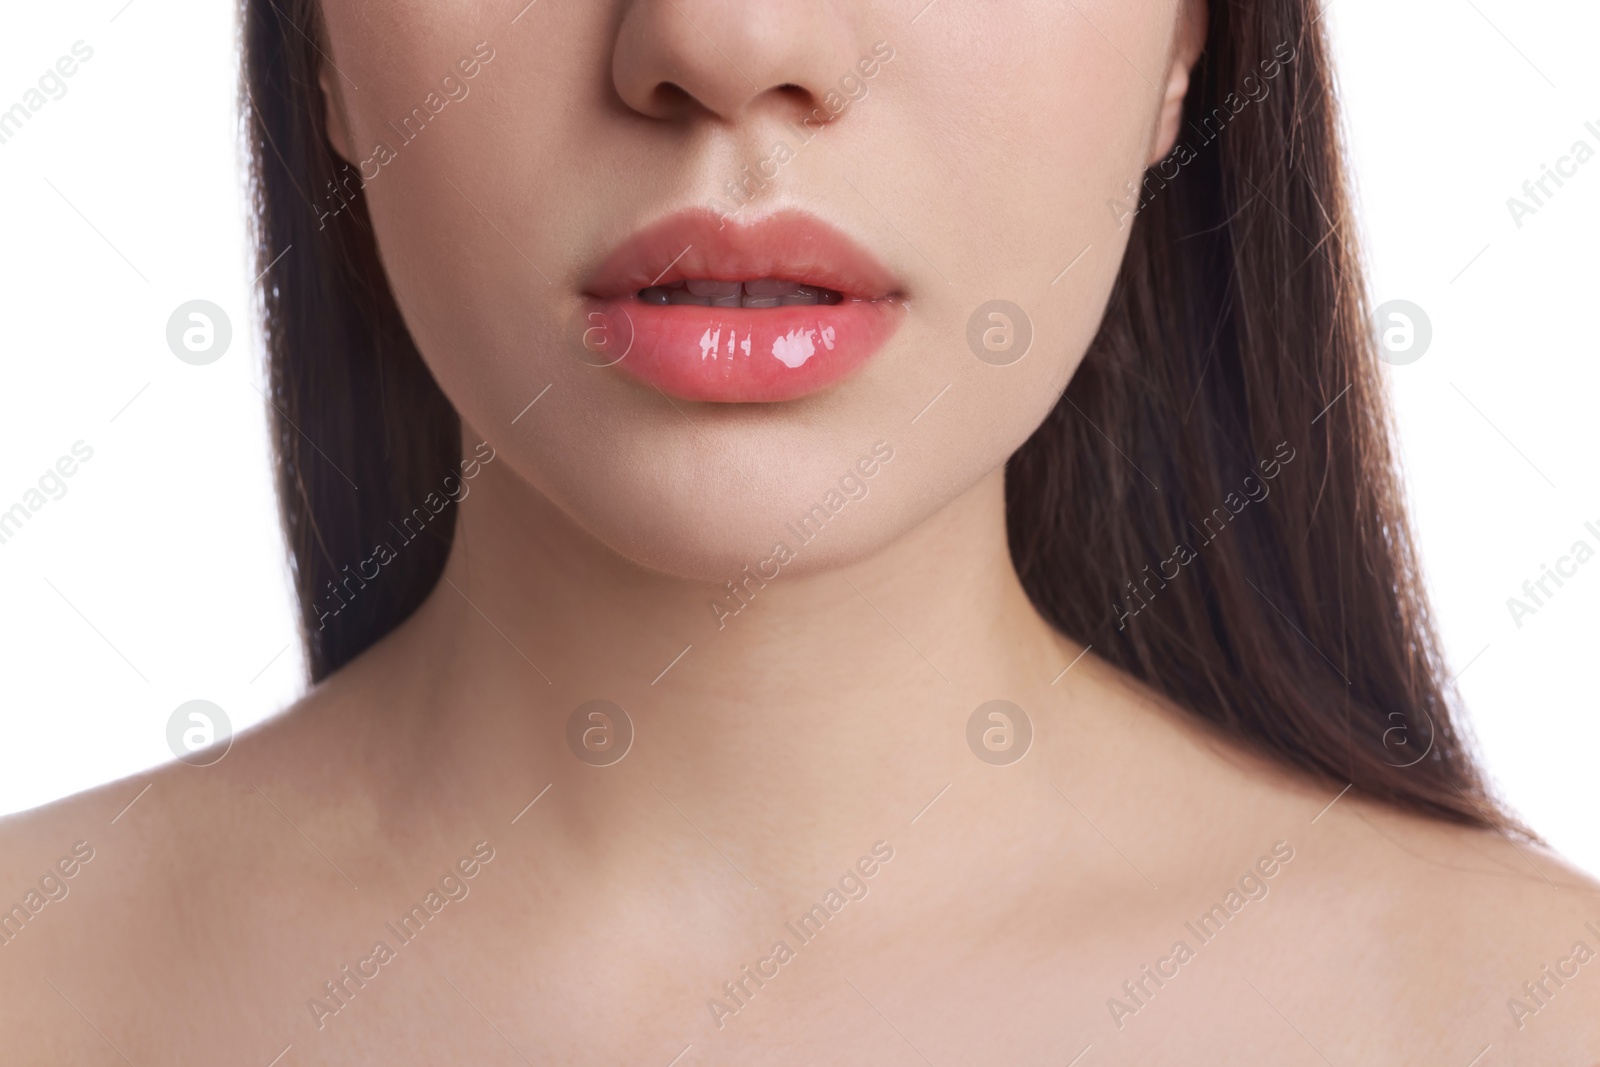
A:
[790,245]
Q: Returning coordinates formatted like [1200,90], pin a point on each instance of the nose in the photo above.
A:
[678,58]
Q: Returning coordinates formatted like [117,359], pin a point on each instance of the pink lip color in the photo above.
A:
[739,355]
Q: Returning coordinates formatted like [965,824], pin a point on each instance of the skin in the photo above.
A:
[829,714]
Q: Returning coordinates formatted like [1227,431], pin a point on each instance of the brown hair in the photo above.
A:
[1213,504]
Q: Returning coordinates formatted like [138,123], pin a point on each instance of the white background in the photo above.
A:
[159,577]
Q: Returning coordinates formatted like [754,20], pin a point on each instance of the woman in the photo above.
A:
[848,533]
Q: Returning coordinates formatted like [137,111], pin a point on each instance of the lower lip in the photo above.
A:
[735,355]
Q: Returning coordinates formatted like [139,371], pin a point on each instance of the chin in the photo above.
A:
[752,489]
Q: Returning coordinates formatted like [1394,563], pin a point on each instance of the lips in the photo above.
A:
[709,309]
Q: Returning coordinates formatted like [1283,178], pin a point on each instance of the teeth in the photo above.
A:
[713,289]
[757,293]
[773,287]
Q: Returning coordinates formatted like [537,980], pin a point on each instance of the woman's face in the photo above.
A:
[926,159]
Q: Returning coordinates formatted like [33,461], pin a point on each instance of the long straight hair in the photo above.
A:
[1212,505]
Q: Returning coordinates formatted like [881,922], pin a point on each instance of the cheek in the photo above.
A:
[1041,123]
[478,217]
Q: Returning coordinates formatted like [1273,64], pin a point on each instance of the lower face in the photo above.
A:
[848,234]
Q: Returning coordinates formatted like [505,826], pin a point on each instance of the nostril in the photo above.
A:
[794,92]
[671,100]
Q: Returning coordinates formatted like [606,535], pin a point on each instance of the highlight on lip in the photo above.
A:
[791,349]
[765,311]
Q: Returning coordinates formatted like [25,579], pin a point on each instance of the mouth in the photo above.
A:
[712,310]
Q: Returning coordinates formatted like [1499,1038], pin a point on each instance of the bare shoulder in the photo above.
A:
[121,901]
[52,856]
[45,854]
[77,877]
[1375,935]
[1484,940]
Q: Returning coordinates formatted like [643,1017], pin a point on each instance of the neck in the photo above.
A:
[836,697]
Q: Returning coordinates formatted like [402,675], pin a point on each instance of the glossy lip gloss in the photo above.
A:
[716,310]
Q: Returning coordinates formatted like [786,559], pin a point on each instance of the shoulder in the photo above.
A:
[1471,938]
[178,822]
[1386,936]
[69,872]
[120,902]
[47,855]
